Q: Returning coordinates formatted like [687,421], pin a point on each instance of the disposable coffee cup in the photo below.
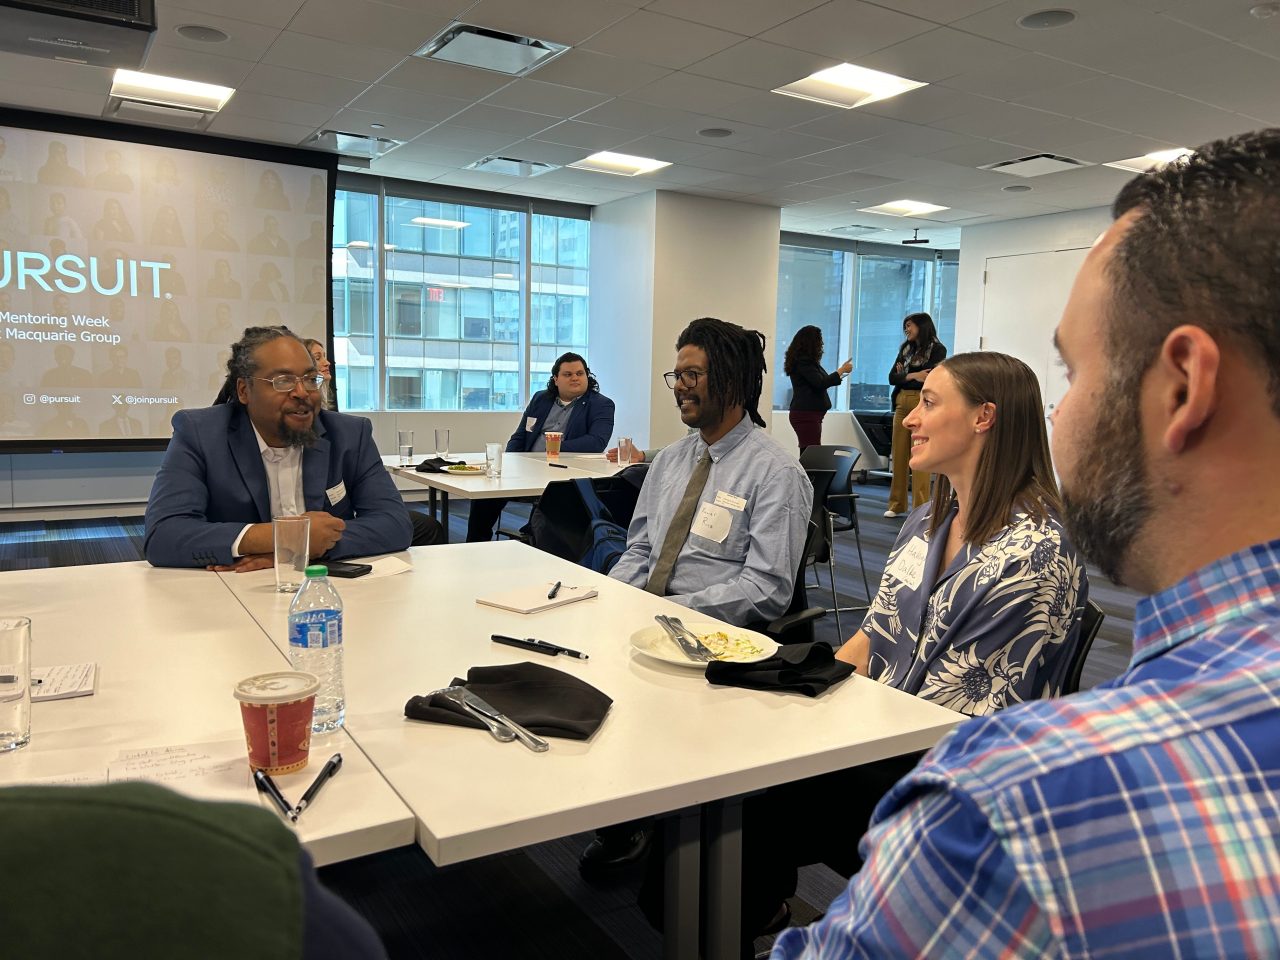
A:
[276,709]
[553,438]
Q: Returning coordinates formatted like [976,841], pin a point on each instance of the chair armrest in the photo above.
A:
[790,620]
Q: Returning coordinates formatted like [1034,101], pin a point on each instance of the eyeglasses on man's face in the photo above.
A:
[687,377]
[286,383]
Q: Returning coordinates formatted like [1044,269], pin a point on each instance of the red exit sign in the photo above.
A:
[435,294]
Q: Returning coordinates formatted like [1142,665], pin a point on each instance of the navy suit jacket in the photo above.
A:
[212,482]
[588,431]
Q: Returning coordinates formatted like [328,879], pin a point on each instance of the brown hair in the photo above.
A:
[1014,469]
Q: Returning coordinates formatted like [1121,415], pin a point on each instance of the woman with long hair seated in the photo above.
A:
[979,608]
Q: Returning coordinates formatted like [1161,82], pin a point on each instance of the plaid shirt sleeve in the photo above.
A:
[937,882]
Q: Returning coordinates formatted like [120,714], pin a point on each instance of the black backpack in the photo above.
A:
[586,520]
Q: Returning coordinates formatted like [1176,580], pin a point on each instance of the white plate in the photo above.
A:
[653,641]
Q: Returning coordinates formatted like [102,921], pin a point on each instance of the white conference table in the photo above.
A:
[523,475]
[170,645]
[672,743]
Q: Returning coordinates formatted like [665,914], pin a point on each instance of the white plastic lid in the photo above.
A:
[282,686]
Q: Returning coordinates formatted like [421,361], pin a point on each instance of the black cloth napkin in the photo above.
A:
[808,668]
[549,702]
[436,465]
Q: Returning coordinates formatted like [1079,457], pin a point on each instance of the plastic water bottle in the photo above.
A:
[315,644]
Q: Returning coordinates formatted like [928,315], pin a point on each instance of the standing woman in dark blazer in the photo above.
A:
[809,384]
[919,354]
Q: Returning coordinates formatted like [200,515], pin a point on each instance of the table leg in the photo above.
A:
[444,513]
[680,863]
[431,503]
[723,834]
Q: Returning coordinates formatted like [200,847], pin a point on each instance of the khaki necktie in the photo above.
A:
[678,532]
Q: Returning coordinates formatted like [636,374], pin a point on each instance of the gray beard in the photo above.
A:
[297,438]
[1109,502]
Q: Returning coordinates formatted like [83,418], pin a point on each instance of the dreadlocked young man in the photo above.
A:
[720,523]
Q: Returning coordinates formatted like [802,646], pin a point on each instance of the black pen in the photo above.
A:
[538,646]
[331,766]
[268,786]
[561,466]
[551,594]
[13,678]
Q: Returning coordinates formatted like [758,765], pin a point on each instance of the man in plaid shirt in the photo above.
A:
[1140,818]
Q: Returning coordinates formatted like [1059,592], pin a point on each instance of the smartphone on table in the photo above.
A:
[346,569]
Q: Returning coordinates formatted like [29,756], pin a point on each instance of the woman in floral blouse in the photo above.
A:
[982,597]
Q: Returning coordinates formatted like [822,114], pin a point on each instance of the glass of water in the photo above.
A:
[404,443]
[442,444]
[15,683]
[493,460]
[624,451]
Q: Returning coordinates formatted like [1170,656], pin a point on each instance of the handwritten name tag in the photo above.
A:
[712,523]
[530,423]
[908,565]
[730,501]
[336,493]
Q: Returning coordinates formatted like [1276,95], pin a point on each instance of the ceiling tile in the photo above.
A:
[393,101]
[851,157]
[665,41]
[1089,96]
[847,29]
[994,117]
[389,166]
[453,137]
[754,63]
[427,151]
[848,126]
[663,148]
[599,73]
[544,152]
[775,111]
[190,65]
[277,13]
[36,97]
[261,106]
[631,115]
[361,122]
[914,139]
[369,23]
[684,91]
[445,79]
[940,11]
[251,128]
[1055,134]
[938,54]
[688,127]
[977,153]
[560,21]
[1019,77]
[748,17]
[551,99]
[1122,146]
[591,136]
[732,161]
[35,72]
[245,40]
[499,119]
[928,104]
[785,145]
[848,182]
[297,51]
[297,85]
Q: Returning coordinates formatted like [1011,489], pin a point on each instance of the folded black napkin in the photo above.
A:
[808,668]
[550,703]
[436,465]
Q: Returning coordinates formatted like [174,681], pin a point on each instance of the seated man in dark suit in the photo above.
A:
[270,451]
[572,405]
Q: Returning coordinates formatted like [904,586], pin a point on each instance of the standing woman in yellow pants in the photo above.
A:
[919,354]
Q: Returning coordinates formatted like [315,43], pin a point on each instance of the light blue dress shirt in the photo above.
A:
[757,494]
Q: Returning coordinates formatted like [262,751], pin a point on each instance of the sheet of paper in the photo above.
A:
[206,771]
[63,681]
[386,567]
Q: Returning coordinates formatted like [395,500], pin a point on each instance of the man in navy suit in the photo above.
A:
[573,405]
[270,451]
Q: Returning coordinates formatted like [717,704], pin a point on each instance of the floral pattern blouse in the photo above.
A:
[998,626]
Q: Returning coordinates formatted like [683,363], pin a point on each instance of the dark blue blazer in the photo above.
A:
[588,431]
[212,482]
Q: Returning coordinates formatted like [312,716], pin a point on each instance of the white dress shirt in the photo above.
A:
[284,483]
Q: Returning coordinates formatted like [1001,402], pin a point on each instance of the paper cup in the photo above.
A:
[276,709]
[553,439]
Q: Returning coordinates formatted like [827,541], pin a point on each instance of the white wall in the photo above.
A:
[1057,231]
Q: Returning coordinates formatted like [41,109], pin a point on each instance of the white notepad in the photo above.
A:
[534,598]
[66,680]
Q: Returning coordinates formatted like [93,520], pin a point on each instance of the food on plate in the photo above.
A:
[464,468]
[724,646]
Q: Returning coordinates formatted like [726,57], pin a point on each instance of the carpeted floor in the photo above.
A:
[532,903]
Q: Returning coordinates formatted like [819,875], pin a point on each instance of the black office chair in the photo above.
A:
[841,510]
[796,625]
[1090,624]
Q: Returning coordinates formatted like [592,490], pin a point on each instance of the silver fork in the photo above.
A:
[498,731]
[692,637]
[688,649]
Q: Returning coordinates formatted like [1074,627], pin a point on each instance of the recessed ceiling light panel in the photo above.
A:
[904,208]
[620,164]
[512,167]
[1151,160]
[848,86]
[1035,166]
[473,46]
[169,91]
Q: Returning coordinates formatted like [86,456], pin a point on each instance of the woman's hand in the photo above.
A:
[845,367]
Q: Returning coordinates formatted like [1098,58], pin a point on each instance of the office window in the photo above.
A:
[448,330]
[858,297]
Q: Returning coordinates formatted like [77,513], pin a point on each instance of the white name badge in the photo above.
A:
[908,565]
[712,523]
[730,501]
[530,423]
[336,493]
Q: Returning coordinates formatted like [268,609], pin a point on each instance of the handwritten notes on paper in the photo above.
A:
[63,681]
[208,771]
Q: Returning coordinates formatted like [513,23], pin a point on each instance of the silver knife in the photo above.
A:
[532,741]
[496,730]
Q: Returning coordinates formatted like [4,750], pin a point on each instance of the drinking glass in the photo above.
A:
[404,443]
[442,444]
[292,537]
[493,460]
[15,683]
[624,451]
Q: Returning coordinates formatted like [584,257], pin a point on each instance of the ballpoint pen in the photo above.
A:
[538,646]
[268,786]
[551,594]
[331,766]
[13,678]
[559,466]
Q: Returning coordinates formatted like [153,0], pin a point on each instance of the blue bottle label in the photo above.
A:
[315,629]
